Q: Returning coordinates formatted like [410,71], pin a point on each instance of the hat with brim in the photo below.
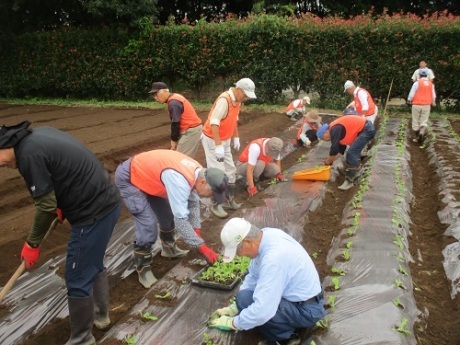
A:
[313,116]
[11,135]
[157,86]
[232,234]
[218,182]
[274,147]
[248,87]
[322,130]
[347,85]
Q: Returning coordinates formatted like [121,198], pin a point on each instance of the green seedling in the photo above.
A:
[346,255]
[223,273]
[207,339]
[348,244]
[312,342]
[398,303]
[400,256]
[315,255]
[272,181]
[351,231]
[402,270]
[184,281]
[337,271]
[285,172]
[332,301]
[166,295]
[131,339]
[400,284]
[299,160]
[356,205]
[147,316]
[323,323]
[356,219]
[398,242]
[401,328]
[336,282]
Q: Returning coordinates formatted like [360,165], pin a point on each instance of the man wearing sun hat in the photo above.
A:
[163,186]
[260,157]
[218,130]
[307,131]
[296,108]
[362,101]
[281,292]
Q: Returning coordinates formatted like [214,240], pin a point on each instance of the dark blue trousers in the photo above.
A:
[85,253]
[354,151]
[288,317]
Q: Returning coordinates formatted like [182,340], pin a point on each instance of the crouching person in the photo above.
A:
[280,293]
[163,186]
[261,157]
[307,132]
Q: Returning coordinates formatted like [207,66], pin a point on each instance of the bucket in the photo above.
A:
[322,173]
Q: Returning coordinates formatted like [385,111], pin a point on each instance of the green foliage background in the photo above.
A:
[313,54]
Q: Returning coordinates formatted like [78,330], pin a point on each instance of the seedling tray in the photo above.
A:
[216,285]
[314,174]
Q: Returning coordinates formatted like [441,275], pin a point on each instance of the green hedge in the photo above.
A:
[277,53]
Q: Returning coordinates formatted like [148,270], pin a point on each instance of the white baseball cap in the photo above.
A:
[306,99]
[248,86]
[348,84]
[232,234]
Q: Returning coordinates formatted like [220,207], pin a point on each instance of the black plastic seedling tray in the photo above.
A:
[215,285]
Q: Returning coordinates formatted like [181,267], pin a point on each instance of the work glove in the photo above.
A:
[231,311]
[29,255]
[224,323]
[280,177]
[210,255]
[325,163]
[197,232]
[236,143]
[60,215]
[307,143]
[220,153]
[252,191]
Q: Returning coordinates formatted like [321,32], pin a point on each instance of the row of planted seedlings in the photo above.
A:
[369,291]
[184,321]
[444,153]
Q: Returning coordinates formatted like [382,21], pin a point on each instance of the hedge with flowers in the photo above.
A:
[306,53]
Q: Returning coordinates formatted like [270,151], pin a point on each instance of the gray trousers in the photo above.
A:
[189,141]
[269,170]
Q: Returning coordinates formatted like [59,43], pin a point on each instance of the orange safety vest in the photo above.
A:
[147,167]
[228,124]
[262,157]
[189,118]
[291,105]
[353,125]
[370,101]
[424,93]
[313,126]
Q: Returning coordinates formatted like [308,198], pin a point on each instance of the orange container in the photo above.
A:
[322,173]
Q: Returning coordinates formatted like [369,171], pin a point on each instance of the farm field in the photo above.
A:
[317,214]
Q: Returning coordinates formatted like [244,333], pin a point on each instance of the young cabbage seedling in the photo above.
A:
[337,271]
[315,255]
[348,244]
[272,181]
[130,339]
[147,316]
[398,303]
[207,339]
[401,328]
[166,295]
[336,282]
[323,323]
[399,284]
[346,255]
[402,270]
[332,301]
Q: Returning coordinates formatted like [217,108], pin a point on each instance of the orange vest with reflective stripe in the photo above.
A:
[424,93]
[262,157]
[189,117]
[228,124]
[147,167]
[353,125]
[313,126]
[291,105]
[370,101]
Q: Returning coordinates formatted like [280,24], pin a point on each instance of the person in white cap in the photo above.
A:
[296,108]
[362,101]
[261,156]
[423,66]
[307,132]
[220,127]
[281,292]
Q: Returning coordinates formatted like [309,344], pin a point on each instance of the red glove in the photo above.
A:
[280,177]
[325,163]
[60,215]
[29,255]
[252,191]
[198,232]
[210,255]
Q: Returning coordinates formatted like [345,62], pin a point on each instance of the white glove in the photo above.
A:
[231,310]
[305,140]
[236,143]
[220,153]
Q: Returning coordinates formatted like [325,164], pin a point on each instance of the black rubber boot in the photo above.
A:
[415,138]
[81,314]
[101,300]
[142,260]
[421,136]
[169,248]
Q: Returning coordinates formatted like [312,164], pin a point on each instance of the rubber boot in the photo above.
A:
[142,260]
[81,314]
[415,138]
[421,136]
[350,174]
[101,300]
[169,248]
[218,211]
[231,204]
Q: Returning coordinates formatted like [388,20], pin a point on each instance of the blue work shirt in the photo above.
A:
[282,269]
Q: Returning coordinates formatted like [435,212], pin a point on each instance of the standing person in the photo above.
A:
[423,66]
[307,132]
[296,108]
[60,172]
[163,186]
[354,131]
[422,95]
[261,156]
[362,101]
[185,124]
[281,292]
[218,130]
